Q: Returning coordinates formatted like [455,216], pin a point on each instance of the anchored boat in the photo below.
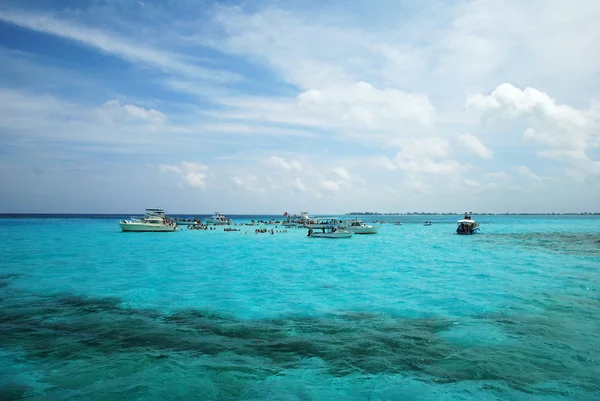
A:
[329,232]
[186,222]
[358,227]
[154,221]
[322,222]
[296,221]
[218,219]
[467,225]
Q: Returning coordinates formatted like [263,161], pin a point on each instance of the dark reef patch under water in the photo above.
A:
[63,334]
[569,243]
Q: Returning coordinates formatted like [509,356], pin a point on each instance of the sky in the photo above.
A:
[273,106]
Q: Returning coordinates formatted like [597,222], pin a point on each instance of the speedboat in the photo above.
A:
[218,219]
[186,222]
[329,232]
[358,227]
[467,225]
[154,221]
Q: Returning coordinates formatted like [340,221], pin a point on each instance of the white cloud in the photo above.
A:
[248,183]
[280,162]
[252,129]
[117,109]
[357,112]
[329,185]
[472,183]
[192,173]
[360,103]
[296,46]
[422,156]
[526,172]
[515,102]
[169,168]
[342,173]
[499,175]
[299,184]
[112,44]
[446,49]
[475,146]
[121,126]
[195,179]
[562,132]
[383,161]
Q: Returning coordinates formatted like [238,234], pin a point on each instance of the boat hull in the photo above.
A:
[146,228]
[216,222]
[358,227]
[185,222]
[468,232]
[319,226]
[337,234]
[365,230]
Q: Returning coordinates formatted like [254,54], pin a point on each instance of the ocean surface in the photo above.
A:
[412,313]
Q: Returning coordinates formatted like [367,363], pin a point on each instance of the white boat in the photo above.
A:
[296,221]
[186,222]
[217,219]
[322,222]
[467,225]
[154,221]
[358,227]
[329,232]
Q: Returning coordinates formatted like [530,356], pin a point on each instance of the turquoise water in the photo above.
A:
[412,313]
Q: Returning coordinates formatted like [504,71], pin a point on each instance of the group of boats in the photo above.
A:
[155,220]
[328,227]
[304,220]
[343,229]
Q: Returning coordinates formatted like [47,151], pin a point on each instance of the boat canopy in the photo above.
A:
[464,221]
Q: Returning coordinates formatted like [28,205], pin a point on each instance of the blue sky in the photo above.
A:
[265,107]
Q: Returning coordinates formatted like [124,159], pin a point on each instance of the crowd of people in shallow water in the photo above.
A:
[271,231]
[206,227]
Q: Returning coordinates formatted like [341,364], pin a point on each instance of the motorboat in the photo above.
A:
[358,227]
[186,222]
[467,225]
[322,222]
[296,221]
[217,219]
[428,223]
[154,221]
[329,232]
